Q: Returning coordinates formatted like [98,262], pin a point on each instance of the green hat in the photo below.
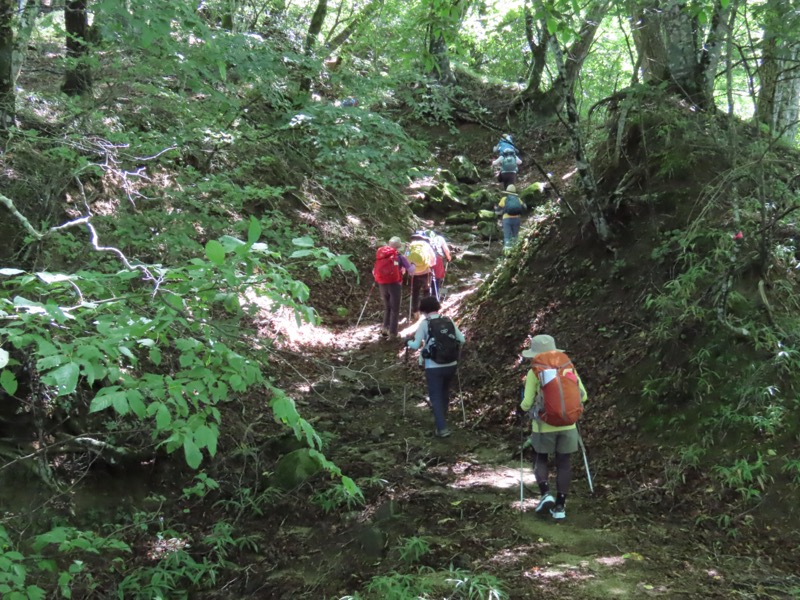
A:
[539,344]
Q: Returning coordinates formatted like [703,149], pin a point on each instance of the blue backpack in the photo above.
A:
[508,164]
[513,205]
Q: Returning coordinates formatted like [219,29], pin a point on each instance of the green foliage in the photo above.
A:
[748,479]
[791,467]
[413,548]
[59,560]
[427,583]
[337,497]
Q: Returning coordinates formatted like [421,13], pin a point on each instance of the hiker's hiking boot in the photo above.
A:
[443,433]
[545,503]
[559,512]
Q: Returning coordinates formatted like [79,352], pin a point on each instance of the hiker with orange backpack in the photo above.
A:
[555,396]
[388,273]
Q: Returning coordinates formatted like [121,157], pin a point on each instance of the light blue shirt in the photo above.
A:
[421,338]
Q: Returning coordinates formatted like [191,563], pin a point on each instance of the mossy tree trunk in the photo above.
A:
[779,73]
[317,19]
[553,99]
[78,79]
[592,202]
[675,48]
[7,95]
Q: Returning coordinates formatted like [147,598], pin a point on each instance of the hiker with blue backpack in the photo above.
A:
[440,340]
[506,143]
[554,395]
[511,207]
[508,164]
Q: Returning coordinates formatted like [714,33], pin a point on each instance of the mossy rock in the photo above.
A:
[534,193]
[488,229]
[463,170]
[446,176]
[295,468]
[461,217]
[443,198]
[481,199]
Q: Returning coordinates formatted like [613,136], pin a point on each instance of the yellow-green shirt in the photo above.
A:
[532,387]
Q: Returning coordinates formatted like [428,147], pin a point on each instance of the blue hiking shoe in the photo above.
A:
[545,503]
[559,512]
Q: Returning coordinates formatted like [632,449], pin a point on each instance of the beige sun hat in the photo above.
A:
[395,242]
[539,344]
[511,189]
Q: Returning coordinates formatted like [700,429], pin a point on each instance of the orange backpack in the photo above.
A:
[559,401]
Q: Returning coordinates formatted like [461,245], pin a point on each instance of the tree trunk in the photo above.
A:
[779,73]
[537,42]
[353,26]
[78,78]
[317,19]
[437,48]
[591,201]
[554,98]
[669,39]
[7,95]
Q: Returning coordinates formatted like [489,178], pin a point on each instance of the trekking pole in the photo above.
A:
[585,461]
[461,397]
[521,467]
[365,303]
[410,295]
[405,383]
[435,287]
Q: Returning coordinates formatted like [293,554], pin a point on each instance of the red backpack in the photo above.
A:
[387,266]
[559,402]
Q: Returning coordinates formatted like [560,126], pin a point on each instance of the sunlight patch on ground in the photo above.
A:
[498,477]
[513,556]
[557,573]
[611,561]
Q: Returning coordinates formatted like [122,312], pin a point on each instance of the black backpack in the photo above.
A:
[443,347]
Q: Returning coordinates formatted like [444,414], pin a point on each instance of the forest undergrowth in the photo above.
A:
[188,399]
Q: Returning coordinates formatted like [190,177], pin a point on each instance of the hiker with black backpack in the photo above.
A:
[511,207]
[420,253]
[388,273]
[440,340]
[508,164]
[554,395]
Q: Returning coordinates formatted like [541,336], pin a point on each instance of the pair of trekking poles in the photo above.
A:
[524,444]
[436,291]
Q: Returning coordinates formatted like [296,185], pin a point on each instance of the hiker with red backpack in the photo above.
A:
[441,342]
[388,273]
[554,394]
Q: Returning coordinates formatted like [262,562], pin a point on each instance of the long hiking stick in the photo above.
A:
[410,296]
[461,397]
[521,472]
[365,304]
[585,463]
